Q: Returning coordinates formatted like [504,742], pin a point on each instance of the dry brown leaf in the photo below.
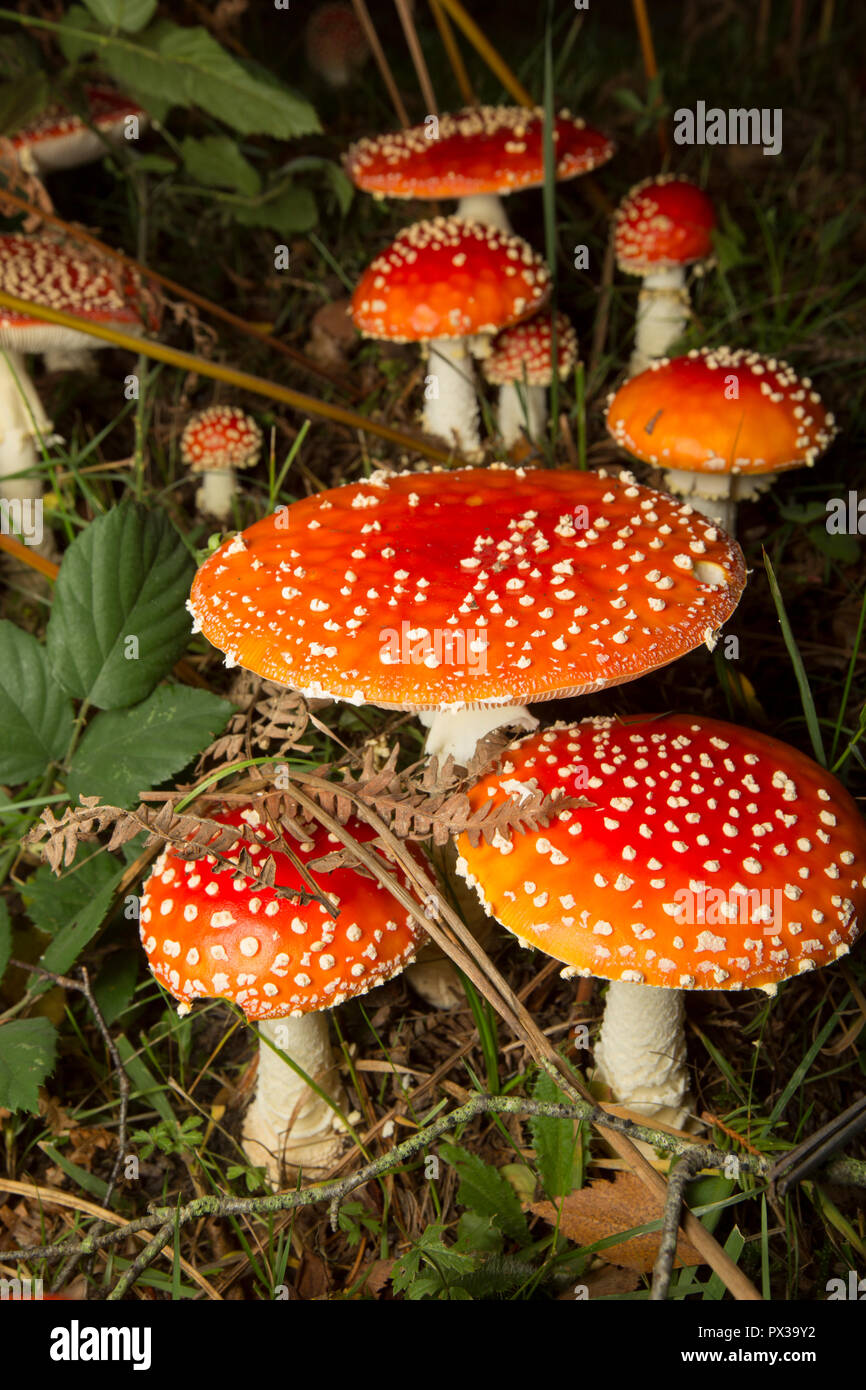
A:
[602,1209]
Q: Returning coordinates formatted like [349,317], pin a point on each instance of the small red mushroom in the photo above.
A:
[213,932]
[335,44]
[661,227]
[521,364]
[445,283]
[60,139]
[216,442]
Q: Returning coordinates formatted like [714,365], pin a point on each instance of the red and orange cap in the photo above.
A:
[709,856]
[663,223]
[210,934]
[484,149]
[720,410]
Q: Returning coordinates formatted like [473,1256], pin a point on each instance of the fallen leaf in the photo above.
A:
[602,1209]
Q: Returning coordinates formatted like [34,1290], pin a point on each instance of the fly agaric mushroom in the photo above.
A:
[662,226]
[215,443]
[467,593]
[220,934]
[60,139]
[52,274]
[335,44]
[445,283]
[707,857]
[521,365]
[475,155]
[719,416]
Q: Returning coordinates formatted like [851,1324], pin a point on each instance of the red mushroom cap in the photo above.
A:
[53,274]
[335,43]
[449,279]
[708,857]
[524,352]
[211,934]
[719,410]
[59,138]
[663,223]
[484,149]
[220,437]
[468,587]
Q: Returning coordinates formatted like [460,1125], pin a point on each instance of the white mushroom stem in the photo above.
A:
[22,422]
[486,208]
[522,410]
[715,495]
[287,1124]
[71,359]
[456,732]
[217,492]
[450,398]
[662,315]
[641,1049]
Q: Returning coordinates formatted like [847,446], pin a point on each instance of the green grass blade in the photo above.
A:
[797,662]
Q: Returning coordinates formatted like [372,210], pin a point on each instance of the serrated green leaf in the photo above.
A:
[72,938]
[127,576]
[36,717]
[5,936]
[288,213]
[22,100]
[27,1049]
[556,1141]
[484,1190]
[478,1233]
[425,1270]
[128,751]
[129,15]
[217,162]
[53,901]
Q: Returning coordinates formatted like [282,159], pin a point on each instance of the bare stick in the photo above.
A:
[381,61]
[679,1177]
[455,57]
[421,71]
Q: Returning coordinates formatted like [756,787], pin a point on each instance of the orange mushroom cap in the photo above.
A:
[663,223]
[720,410]
[220,437]
[466,587]
[524,352]
[483,149]
[709,856]
[107,111]
[447,278]
[210,934]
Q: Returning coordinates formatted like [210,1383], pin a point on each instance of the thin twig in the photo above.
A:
[381,61]
[680,1175]
[455,57]
[417,53]
[645,35]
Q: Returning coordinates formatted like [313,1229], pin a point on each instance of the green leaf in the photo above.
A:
[118,622]
[288,213]
[478,1233]
[22,101]
[5,936]
[27,1048]
[154,164]
[88,1182]
[52,901]
[77,33]
[217,161]
[556,1142]
[338,182]
[844,550]
[128,751]
[129,15]
[485,1191]
[116,983]
[72,938]
[35,716]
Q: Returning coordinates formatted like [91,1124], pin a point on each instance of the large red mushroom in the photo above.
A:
[706,857]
